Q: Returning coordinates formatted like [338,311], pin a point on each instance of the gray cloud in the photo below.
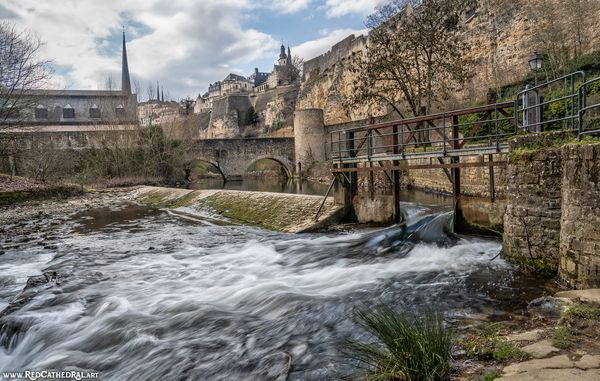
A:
[7,13]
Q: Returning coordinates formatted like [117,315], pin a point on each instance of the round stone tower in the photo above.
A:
[309,139]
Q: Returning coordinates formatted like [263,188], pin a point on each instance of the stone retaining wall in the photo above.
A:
[580,219]
[532,218]
[552,219]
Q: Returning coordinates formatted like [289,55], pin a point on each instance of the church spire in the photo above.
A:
[162,95]
[157,92]
[125,81]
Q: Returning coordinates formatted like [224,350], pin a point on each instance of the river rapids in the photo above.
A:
[136,293]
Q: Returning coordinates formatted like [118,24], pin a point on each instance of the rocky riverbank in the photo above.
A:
[558,340]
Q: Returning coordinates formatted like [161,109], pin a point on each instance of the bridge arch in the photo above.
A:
[191,168]
[282,163]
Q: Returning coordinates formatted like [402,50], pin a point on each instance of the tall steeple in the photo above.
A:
[157,92]
[162,95]
[282,56]
[125,81]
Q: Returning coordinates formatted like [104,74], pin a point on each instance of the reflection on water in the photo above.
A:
[283,185]
[270,184]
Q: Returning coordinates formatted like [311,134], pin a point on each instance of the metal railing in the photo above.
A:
[536,102]
[559,104]
[589,115]
[478,130]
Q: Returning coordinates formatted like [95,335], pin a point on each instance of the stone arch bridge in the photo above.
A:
[233,157]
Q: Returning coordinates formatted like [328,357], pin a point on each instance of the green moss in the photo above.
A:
[153,199]
[563,337]
[548,141]
[246,210]
[182,201]
[491,375]
[538,266]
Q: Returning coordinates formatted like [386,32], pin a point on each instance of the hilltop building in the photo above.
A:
[284,73]
[74,110]
[158,111]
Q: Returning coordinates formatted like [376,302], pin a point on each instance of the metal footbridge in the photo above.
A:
[567,103]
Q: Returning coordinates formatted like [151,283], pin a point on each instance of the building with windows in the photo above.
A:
[70,110]
[284,73]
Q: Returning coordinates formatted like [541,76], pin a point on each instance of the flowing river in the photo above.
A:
[137,293]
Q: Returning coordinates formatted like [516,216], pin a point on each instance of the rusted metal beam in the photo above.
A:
[425,118]
[424,166]
[446,171]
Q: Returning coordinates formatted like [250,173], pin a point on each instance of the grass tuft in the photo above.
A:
[583,311]
[563,337]
[489,346]
[407,347]
[492,375]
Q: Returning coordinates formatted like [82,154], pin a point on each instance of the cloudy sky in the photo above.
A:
[183,44]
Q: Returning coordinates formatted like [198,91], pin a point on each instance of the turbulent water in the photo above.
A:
[139,294]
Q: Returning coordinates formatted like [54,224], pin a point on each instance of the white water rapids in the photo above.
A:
[144,295]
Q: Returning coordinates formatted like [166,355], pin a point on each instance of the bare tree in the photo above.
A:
[187,106]
[298,63]
[21,72]
[137,88]
[414,56]
[564,31]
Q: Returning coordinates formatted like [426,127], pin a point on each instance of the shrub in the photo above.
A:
[407,346]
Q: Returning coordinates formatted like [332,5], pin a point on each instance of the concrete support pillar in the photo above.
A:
[309,139]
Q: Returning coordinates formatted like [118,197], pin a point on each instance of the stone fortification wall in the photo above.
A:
[308,140]
[473,181]
[328,81]
[337,54]
[275,110]
[580,218]
[225,118]
[276,107]
[500,36]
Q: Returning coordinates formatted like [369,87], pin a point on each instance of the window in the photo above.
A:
[120,111]
[95,112]
[41,112]
[68,112]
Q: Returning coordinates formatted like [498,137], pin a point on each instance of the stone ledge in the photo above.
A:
[292,213]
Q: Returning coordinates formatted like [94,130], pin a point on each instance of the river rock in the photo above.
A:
[540,349]
[556,362]
[532,335]
[591,295]
[555,375]
[548,307]
[588,362]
